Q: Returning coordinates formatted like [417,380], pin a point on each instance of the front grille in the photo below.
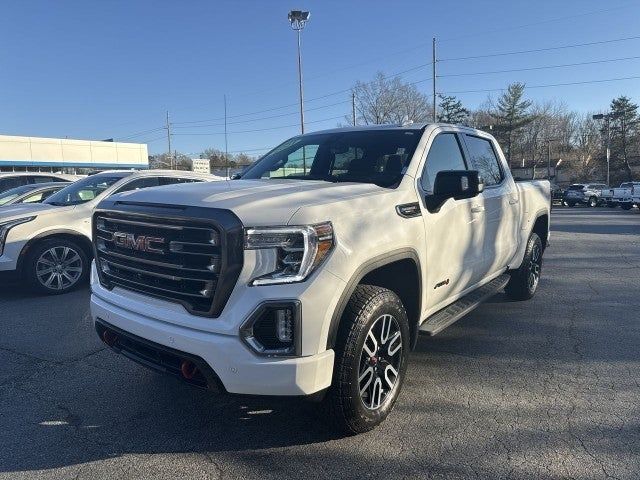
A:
[184,258]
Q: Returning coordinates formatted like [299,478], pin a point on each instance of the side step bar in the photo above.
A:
[458,309]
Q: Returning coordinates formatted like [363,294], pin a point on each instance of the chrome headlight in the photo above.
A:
[300,250]
[6,226]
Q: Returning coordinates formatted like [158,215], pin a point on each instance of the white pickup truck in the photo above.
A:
[625,195]
[314,273]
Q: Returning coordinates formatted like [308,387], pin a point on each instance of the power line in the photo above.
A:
[143,132]
[535,50]
[260,129]
[511,70]
[548,85]
[541,22]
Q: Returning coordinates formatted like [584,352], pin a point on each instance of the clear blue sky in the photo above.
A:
[98,69]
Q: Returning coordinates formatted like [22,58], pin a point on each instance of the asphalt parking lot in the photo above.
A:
[548,388]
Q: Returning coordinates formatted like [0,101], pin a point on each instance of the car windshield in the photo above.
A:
[83,190]
[6,197]
[576,187]
[374,156]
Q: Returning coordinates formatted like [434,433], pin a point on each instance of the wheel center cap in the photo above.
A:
[373,361]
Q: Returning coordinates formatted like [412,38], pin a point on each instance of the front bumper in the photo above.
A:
[239,370]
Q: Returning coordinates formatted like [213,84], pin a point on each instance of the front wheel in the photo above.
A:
[371,359]
[56,266]
[571,204]
[524,281]
[593,202]
[627,206]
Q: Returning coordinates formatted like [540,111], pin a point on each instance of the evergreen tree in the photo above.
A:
[512,114]
[450,110]
[624,135]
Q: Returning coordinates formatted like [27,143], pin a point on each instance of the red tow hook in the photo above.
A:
[109,338]
[188,369]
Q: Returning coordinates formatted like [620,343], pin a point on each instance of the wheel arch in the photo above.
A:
[383,271]
[71,235]
[541,228]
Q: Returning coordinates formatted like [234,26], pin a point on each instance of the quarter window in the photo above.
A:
[444,154]
[484,159]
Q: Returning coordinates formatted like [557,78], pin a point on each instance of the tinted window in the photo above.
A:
[483,159]
[174,180]
[42,179]
[13,182]
[145,182]
[366,156]
[444,154]
[576,187]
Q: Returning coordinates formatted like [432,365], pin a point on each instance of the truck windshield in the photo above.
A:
[370,156]
[84,190]
[576,187]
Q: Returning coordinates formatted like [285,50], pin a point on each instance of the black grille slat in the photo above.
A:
[186,271]
[200,258]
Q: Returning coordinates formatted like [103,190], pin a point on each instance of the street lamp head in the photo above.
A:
[298,19]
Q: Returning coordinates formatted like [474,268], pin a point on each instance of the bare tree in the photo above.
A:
[385,100]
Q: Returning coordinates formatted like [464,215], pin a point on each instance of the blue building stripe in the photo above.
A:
[37,163]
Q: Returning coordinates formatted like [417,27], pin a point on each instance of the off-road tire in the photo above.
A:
[520,286]
[344,403]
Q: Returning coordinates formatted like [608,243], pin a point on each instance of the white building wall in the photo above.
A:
[19,152]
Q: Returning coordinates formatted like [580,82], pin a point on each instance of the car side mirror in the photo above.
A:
[456,184]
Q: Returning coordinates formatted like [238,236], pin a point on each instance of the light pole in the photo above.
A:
[298,20]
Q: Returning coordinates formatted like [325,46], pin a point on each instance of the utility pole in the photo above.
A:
[433,63]
[226,152]
[549,159]
[169,139]
[353,107]
[608,126]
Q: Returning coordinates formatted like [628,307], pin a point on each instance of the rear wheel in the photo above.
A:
[371,359]
[593,202]
[56,266]
[627,206]
[571,204]
[524,281]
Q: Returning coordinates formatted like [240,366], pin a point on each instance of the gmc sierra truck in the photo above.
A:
[316,271]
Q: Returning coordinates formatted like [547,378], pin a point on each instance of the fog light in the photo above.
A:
[284,325]
[274,329]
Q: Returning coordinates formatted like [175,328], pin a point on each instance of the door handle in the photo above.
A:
[513,201]
[477,209]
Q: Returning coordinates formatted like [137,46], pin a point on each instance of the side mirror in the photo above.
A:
[456,184]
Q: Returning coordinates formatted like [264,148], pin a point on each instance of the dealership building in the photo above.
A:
[64,155]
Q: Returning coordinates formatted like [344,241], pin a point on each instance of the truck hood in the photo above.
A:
[24,210]
[255,202]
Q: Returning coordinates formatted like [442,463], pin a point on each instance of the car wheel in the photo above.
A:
[56,266]
[593,202]
[571,204]
[524,281]
[626,206]
[372,350]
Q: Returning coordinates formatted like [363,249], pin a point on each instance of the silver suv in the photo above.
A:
[587,194]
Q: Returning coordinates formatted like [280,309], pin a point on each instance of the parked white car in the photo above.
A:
[623,195]
[49,244]
[315,271]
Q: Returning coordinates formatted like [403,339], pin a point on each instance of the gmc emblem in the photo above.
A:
[140,243]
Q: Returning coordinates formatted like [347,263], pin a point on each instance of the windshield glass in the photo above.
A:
[374,156]
[576,187]
[83,190]
[6,197]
